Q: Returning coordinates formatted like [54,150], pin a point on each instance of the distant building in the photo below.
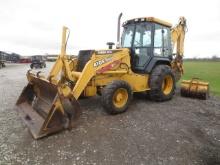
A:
[25,59]
[52,57]
[13,57]
[3,56]
[10,57]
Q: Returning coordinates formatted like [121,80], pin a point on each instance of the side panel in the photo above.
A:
[137,82]
[99,64]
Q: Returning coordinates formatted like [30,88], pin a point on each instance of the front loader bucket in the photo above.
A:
[195,88]
[43,110]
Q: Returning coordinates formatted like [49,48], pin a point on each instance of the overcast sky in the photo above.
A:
[34,26]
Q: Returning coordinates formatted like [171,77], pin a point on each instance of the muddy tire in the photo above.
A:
[162,83]
[116,97]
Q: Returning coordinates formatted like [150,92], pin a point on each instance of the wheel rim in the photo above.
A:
[167,84]
[120,97]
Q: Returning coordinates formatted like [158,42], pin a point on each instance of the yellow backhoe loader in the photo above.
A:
[141,62]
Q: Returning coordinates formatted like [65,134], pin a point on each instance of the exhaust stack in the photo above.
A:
[118,32]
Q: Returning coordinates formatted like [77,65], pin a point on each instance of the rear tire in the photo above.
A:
[83,57]
[162,83]
[116,97]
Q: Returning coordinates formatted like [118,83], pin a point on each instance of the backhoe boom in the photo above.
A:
[178,36]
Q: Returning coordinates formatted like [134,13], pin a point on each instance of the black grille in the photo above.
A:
[83,57]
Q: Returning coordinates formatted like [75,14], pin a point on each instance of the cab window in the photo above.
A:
[142,35]
[162,39]
[142,45]
[127,36]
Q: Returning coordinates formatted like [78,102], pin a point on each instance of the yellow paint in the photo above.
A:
[156,20]
[195,85]
[167,85]
[100,71]
[99,62]
[90,91]
[178,36]
[120,97]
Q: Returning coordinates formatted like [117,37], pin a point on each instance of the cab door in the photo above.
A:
[142,46]
[162,42]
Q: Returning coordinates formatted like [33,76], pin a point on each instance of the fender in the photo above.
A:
[157,61]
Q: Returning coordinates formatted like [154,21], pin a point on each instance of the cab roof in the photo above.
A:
[148,19]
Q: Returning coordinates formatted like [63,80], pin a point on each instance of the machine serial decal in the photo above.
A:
[102,61]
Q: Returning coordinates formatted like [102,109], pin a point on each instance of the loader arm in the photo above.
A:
[178,36]
[61,63]
[90,71]
[83,79]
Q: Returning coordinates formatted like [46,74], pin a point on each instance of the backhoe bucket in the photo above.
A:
[195,88]
[43,110]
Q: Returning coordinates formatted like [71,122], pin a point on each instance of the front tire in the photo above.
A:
[162,83]
[116,97]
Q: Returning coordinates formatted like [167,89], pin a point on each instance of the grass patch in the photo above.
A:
[205,70]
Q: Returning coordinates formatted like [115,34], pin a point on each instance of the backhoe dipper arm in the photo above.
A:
[178,35]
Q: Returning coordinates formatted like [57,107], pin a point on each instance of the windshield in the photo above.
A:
[127,36]
[142,35]
[36,57]
[141,38]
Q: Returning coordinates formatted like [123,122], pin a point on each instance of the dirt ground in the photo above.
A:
[182,131]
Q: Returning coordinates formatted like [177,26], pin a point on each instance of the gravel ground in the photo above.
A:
[181,131]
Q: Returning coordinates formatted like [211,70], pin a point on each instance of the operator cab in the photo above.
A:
[149,40]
